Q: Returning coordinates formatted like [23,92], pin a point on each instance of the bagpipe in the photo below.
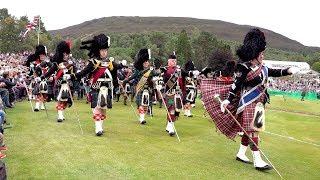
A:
[143,80]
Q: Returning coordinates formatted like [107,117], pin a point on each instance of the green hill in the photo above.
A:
[223,30]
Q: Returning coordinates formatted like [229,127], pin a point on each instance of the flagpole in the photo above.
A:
[39,31]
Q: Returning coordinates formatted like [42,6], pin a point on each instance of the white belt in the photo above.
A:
[104,80]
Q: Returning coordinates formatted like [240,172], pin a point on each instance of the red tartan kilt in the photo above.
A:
[223,121]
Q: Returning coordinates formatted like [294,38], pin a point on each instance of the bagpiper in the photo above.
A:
[174,89]
[143,74]
[38,67]
[244,97]
[102,72]
[191,88]
[62,67]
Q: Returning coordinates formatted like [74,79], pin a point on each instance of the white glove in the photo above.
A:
[66,76]
[37,79]
[62,66]
[223,105]
[196,73]
[293,70]
[159,87]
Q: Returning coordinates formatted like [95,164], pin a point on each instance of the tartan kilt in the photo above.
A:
[223,121]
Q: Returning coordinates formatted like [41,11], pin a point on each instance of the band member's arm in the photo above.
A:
[133,76]
[117,66]
[52,69]
[278,72]
[241,74]
[155,73]
[88,69]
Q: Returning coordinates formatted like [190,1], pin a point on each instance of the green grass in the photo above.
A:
[42,148]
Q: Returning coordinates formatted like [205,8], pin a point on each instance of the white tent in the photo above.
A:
[303,66]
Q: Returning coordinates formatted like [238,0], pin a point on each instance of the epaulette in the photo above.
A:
[96,63]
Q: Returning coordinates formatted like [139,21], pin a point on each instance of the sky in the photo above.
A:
[298,20]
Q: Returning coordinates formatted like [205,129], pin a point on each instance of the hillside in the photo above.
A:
[223,30]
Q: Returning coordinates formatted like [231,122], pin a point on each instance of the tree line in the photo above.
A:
[199,46]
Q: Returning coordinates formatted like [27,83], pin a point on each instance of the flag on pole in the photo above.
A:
[36,19]
[34,25]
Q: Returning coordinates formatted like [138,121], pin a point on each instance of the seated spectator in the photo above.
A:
[4,93]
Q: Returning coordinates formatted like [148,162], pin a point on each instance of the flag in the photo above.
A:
[36,20]
[31,26]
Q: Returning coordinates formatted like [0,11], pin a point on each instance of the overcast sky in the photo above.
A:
[298,20]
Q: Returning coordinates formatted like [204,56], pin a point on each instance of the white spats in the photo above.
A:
[30,97]
[257,160]
[170,128]
[101,125]
[37,107]
[60,115]
[42,106]
[98,125]
[242,153]
[141,118]
[187,112]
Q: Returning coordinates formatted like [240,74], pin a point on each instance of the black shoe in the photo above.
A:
[59,120]
[143,122]
[36,110]
[241,160]
[264,168]
[172,133]
[99,133]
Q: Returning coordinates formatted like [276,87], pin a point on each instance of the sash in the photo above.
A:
[59,74]
[143,81]
[96,75]
[254,93]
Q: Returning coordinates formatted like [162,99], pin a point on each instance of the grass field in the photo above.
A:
[39,147]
